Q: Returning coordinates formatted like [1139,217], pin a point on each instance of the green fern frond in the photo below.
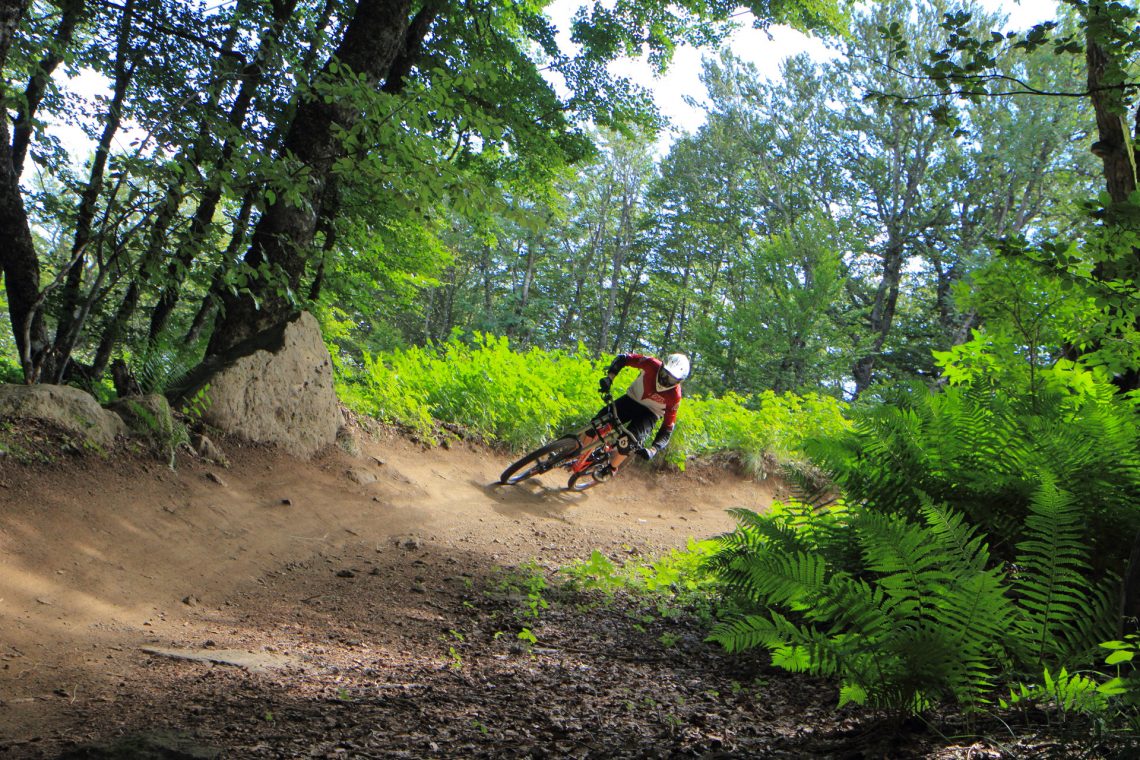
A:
[159,365]
[794,648]
[968,550]
[1051,582]
[787,579]
[1083,638]
[1065,693]
[744,633]
[909,563]
[855,606]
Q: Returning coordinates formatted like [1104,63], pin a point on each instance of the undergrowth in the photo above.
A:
[675,582]
[974,560]
[521,400]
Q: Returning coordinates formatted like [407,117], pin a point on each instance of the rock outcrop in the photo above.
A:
[148,416]
[69,408]
[274,388]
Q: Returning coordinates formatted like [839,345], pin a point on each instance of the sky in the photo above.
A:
[754,45]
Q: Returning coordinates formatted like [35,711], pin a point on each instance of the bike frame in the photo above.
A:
[606,429]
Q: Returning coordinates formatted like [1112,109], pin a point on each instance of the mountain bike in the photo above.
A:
[586,462]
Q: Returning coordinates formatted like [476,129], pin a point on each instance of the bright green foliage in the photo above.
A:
[763,430]
[676,572]
[985,452]
[10,370]
[1067,693]
[515,398]
[679,579]
[1125,684]
[523,399]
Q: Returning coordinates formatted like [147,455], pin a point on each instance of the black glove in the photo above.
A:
[605,383]
[647,453]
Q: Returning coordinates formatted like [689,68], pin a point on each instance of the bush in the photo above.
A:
[10,371]
[985,452]
[980,542]
[919,613]
[760,430]
[525,399]
[520,399]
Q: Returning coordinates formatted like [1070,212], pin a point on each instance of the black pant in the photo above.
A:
[638,419]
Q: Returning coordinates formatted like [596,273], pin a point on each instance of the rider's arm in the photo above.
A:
[661,440]
[665,432]
[615,366]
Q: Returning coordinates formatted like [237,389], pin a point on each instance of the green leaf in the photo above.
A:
[1120,656]
[852,694]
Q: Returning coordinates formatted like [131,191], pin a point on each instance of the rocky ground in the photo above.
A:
[392,603]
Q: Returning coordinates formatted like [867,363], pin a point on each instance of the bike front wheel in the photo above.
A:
[580,481]
[540,460]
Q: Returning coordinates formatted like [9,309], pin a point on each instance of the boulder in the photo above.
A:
[70,408]
[147,415]
[208,450]
[276,387]
[348,439]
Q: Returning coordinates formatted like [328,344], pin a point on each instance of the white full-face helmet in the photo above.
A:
[674,370]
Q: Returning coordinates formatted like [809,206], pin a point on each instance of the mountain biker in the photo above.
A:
[654,395]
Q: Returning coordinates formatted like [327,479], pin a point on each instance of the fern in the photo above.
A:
[1052,579]
[920,625]
[791,580]
[985,453]
[1066,693]
[792,527]
[962,563]
[160,365]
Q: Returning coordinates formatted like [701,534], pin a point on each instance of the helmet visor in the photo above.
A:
[665,379]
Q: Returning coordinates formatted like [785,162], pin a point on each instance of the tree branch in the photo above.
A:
[1026,88]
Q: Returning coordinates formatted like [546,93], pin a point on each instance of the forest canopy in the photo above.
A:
[254,158]
[407,170]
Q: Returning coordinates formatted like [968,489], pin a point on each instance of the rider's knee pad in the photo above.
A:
[626,445]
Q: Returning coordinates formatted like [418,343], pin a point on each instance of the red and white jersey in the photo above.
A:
[662,402]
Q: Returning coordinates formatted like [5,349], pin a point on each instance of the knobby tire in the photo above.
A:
[540,460]
[580,481]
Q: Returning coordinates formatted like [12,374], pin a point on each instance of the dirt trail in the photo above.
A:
[101,561]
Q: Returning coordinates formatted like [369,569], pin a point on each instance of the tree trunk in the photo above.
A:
[251,78]
[1120,180]
[69,323]
[1111,145]
[626,309]
[18,254]
[486,274]
[516,330]
[882,315]
[157,239]
[326,228]
[683,308]
[209,306]
[622,242]
[283,236]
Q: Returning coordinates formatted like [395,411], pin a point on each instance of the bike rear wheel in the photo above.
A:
[540,460]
